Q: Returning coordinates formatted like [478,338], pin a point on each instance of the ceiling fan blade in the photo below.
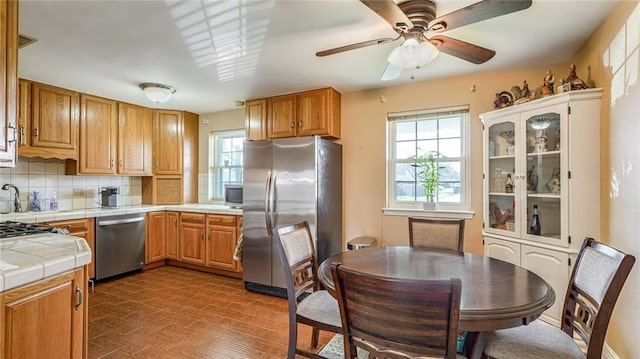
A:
[391,73]
[354,46]
[464,50]
[482,10]
[391,13]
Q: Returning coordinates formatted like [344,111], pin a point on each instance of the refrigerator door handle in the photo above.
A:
[272,203]
[267,205]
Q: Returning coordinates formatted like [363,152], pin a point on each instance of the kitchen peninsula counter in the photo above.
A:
[27,259]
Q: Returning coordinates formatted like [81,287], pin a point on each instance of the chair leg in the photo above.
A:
[315,333]
[293,339]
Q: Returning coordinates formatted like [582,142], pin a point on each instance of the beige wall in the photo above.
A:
[613,52]
[218,121]
[364,141]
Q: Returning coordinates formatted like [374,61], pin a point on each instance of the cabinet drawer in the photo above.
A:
[192,217]
[221,219]
[73,226]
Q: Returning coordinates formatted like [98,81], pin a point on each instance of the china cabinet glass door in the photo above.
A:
[502,147]
[544,172]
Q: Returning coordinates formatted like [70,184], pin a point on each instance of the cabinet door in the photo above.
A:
[282,116]
[135,125]
[190,157]
[9,82]
[167,142]
[314,111]
[501,146]
[97,135]
[24,113]
[172,235]
[503,250]
[156,245]
[256,119]
[192,243]
[546,168]
[46,319]
[553,267]
[54,118]
[221,243]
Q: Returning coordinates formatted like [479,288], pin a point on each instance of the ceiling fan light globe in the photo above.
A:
[412,54]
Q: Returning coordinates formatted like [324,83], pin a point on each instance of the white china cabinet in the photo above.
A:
[550,149]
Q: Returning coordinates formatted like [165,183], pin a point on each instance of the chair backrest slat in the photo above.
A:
[299,259]
[437,233]
[597,279]
[400,318]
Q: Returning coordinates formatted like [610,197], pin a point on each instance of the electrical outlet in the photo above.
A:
[78,192]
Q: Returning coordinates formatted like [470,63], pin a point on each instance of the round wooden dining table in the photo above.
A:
[495,294]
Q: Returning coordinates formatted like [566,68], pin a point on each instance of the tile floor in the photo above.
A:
[170,312]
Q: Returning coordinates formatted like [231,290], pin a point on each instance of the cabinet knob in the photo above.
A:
[112,163]
[300,124]
[21,133]
[80,297]
[121,164]
[292,124]
[35,132]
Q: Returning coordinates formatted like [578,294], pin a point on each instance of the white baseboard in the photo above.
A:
[608,353]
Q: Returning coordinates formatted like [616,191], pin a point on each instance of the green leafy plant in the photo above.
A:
[427,168]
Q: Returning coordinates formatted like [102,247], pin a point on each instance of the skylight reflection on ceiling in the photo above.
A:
[226,33]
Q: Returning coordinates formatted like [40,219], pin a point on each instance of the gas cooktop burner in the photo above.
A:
[13,229]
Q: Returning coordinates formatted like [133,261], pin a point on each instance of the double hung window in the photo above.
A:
[442,132]
[225,161]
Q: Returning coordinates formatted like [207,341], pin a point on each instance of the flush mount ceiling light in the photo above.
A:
[157,93]
[413,54]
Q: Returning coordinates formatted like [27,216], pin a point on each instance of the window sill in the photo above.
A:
[436,213]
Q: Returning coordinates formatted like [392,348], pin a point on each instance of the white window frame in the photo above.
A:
[215,158]
[461,209]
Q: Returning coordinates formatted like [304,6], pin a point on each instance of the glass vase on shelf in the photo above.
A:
[498,181]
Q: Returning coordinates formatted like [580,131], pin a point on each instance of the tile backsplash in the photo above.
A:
[73,192]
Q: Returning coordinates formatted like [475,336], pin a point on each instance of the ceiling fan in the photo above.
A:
[413,20]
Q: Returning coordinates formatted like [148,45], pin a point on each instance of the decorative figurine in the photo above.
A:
[574,80]
[499,216]
[548,82]
[557,134]
[553,185]
[541,142]
[525,90]
[503,99]
[532,179]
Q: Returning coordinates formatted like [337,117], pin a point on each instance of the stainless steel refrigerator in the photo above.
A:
[287,181]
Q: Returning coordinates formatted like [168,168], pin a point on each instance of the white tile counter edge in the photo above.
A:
[45,267]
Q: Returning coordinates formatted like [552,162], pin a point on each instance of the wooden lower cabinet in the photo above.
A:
[207,240]
[172,234]
[84,228]
[192,238]
[156,243]
[46,319]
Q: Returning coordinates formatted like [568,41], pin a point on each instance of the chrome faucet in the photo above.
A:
[16,200]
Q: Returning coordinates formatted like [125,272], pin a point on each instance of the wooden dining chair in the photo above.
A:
[396,318]
[438,233]
[307,303]
[597,279]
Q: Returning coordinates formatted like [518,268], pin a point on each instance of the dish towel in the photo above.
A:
[237,254]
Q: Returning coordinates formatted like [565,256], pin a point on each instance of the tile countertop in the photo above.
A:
[48,216]
[30,258]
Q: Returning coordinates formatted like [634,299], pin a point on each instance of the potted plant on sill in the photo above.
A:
[427,168]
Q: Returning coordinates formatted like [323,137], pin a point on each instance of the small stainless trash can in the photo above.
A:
[361,242]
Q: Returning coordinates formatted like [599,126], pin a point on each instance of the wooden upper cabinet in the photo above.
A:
[282,116]
[190,157]
[256,119]
[98,135]
[134,139]
[24,113]
[318,113]
[54,121]
[8,81]
[315,112]
[167,142]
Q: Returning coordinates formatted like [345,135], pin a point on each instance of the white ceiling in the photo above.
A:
[107,48]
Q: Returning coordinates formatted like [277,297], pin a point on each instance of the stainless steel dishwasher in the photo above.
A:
[119,244]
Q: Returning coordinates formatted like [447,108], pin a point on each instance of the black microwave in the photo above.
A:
[233,195]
